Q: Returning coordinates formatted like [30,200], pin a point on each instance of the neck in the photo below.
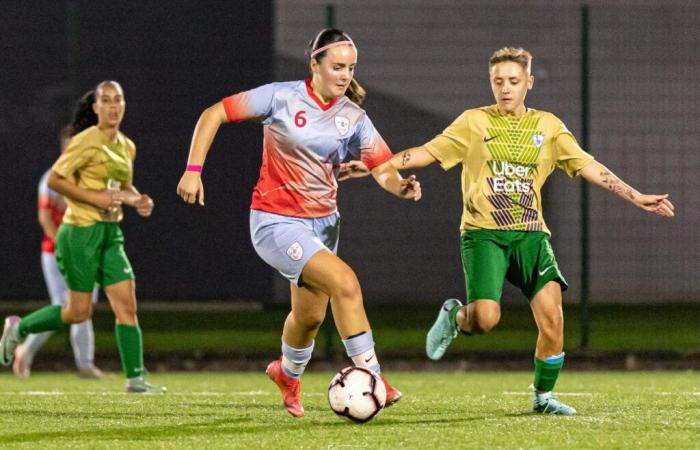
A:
[517,112]
[109,131]
[317,92]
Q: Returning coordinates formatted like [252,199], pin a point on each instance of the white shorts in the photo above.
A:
[287,243]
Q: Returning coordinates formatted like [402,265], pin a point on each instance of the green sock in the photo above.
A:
[547,371]
[453,318]
[47,318]
[453,315]
[130,343]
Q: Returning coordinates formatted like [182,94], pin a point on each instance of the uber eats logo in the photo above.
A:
[510,178]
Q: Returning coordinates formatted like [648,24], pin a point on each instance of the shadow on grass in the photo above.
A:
[132,433]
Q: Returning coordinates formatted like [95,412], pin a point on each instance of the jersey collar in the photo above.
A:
[323,106]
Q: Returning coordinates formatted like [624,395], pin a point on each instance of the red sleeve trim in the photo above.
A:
[231,106]
[373,161]
[44,202]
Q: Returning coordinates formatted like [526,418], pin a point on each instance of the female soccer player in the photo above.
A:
[51,209]
[507,151]
[94,174]
[309,128]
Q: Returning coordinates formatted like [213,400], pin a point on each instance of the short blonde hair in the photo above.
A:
[515,54]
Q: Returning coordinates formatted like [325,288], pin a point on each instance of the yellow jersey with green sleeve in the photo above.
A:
[505,161]
[93,161]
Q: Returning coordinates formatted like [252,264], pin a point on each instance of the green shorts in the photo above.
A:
[525,258]
[92,254]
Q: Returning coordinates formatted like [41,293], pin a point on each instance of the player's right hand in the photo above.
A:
[190,188]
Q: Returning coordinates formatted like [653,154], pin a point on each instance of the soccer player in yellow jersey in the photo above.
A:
[94,174]
[507,151]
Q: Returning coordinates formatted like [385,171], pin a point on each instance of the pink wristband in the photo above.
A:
[193,168]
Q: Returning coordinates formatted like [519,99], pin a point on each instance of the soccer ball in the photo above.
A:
[356,394]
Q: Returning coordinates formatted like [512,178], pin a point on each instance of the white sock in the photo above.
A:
[294,360]
[367,360]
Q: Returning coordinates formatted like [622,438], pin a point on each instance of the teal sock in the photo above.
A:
[547,372]
[47,318]
[130,343]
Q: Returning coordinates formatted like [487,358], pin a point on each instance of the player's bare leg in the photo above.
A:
[549,357]
[331,275]
[300,328]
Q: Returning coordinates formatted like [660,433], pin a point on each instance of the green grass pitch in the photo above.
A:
[480,410]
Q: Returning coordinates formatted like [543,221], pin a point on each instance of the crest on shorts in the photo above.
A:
[295,251]
[538,139]
[342,124]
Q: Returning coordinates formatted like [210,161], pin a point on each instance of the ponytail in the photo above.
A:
[83,114]
[355,92]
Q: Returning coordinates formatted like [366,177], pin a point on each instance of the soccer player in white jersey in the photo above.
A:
[51,208]
[309,127]
[507,151]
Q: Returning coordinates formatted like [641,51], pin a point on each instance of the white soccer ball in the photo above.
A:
[356,394]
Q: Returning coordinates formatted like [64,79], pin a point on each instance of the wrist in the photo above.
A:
[194,168]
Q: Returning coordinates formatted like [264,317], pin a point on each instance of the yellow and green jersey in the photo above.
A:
[92,161]
[505,161]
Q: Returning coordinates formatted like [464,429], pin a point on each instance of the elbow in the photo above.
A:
[216,113]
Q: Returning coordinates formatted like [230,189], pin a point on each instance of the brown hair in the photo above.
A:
[515,54]
[355,92]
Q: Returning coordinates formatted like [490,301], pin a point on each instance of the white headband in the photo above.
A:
[334,44]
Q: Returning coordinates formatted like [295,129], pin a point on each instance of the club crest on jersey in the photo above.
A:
[295,251]
[538,139]
[342,124]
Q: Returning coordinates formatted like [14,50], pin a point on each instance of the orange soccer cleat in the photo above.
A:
[393,395]
[289,387]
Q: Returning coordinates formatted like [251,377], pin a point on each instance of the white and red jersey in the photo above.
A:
[304,143]
[53,201]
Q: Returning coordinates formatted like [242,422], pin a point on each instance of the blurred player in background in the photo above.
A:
[94,174]
[309,128]
[51,209]
[507,151]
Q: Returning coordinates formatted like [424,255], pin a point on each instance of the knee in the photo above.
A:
[484,320]
[483,326]
[77,313]
[551,323]
[310,320]
[346,288]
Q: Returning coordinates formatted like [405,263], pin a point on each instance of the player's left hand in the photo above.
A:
[352,169]
[144,205]
[410,188]
[658,204]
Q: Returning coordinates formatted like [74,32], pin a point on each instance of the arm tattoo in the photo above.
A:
[616,185]
[406,158]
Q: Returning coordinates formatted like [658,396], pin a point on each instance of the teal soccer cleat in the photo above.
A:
[141,386]
[442,332]
[546,404]
[10,340]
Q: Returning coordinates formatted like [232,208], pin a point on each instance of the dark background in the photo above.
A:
[423,63]
[173,60]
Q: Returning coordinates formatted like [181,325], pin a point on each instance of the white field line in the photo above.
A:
[564,394]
